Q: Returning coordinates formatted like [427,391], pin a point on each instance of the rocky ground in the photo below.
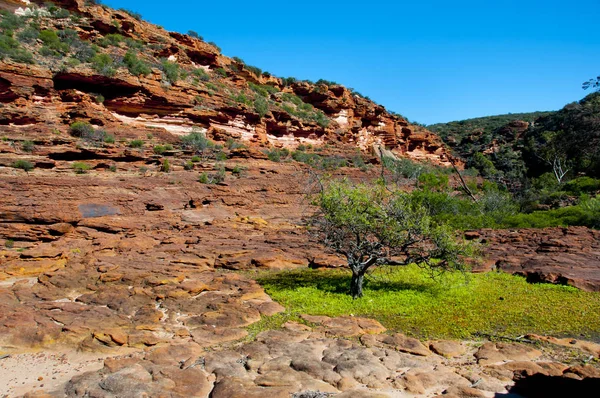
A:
[123,280]
[123,284]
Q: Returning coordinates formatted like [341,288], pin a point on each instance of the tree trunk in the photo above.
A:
[356,284]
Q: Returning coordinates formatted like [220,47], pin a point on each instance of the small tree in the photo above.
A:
[371,226]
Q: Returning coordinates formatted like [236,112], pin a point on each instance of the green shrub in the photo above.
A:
[28,35]
[27,146]
[232,144]
[582,185]
[133,14]
[277,155]
[195,159]
[60,13]
[111,39]
[10,21]
[68,36]
[170,71]
[194,34]
[221,72]
[136,143]
[238,170]
[220,156]
[81,167]
[136,66]
[85,52]
[10,48]
[201,74]
[433,181]
[263,90]
[79,129]
[189,165]
[52,41]
[196,141]
[23,165]
[254,69]
[261,106]
[166,166]
[103,64]
[9,243]
[159,149]
[113,168]
[213,178]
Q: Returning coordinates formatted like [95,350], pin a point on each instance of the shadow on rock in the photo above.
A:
[542,386]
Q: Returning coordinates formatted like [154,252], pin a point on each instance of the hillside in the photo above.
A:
[86,62]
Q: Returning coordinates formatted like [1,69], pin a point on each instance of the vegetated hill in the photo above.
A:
[481,125]
[75,60]
[475,135]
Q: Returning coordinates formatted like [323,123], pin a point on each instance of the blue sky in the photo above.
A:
[431,61]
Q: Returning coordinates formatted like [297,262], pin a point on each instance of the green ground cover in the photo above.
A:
[454,305]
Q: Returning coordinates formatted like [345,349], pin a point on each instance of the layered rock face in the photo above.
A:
[567,256]
[212,92]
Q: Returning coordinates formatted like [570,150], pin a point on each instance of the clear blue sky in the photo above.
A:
[431,61]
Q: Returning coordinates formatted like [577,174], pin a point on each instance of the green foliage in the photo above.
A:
[85,52]
[196,141]
[111,39]
[28,35]
[52,41]
[241,98]
[261,106]
[170,71]
[254,69]
[195,159]
[136,143]
[263,90]
[232,144]
[9,243]
[28,146]
[221,72]
[165,167]
[369,225]
[213,178]
[433,182]
[133,14]
[109,139]
[462,129]
[159,149]
[23,165]
[288,81]
[103,64]
[189,165]
[81,167]
[294,105]
[277,154]
[406,299]
[10,21]
[582,185]
[88,133]
[10,48]
[194,34]
[201,74]
[136,66]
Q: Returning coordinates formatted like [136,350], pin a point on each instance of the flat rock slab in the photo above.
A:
[447,348]
[345,326]
[398,342]
[492,353]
